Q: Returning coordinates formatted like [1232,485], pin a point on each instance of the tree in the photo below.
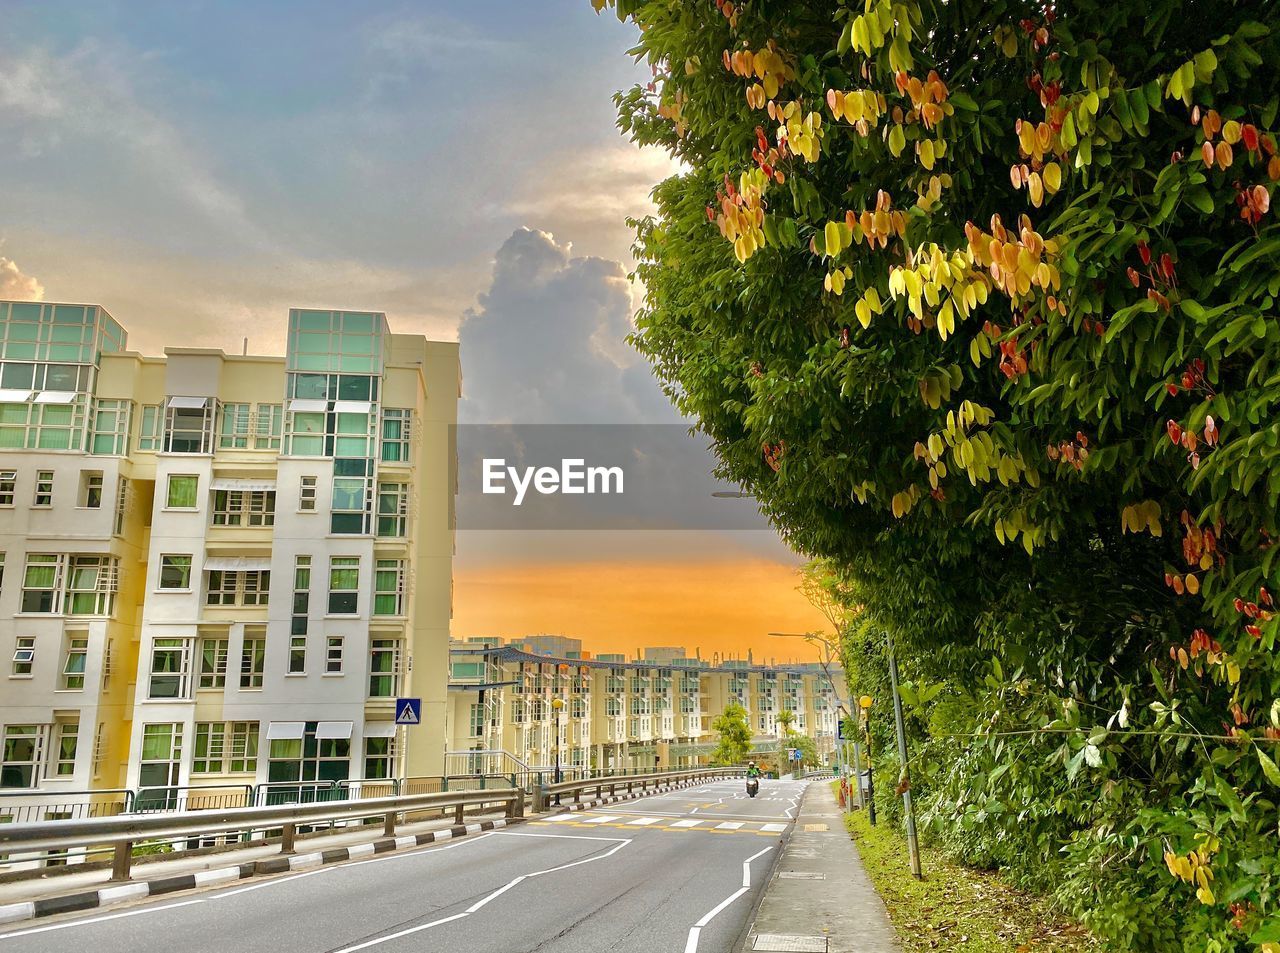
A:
[735,735]
[978,299]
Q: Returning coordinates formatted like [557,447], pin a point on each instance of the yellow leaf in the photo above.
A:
[1233,673]
[1052,176]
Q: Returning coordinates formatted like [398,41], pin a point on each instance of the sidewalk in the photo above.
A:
[819,899]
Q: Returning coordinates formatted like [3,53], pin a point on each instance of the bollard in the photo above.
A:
[286,838]
[121,861]
[389,824]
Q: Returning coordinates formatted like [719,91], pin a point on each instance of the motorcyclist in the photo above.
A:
[752,770]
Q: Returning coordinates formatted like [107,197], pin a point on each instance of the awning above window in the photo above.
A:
[285,730]
[189,403]
[300,405]
[9,395]
[352,406]
[379,729]
[260,486]
[55,397]
[237,564]
[333,729]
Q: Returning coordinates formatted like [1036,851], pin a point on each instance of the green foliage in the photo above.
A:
[1001,345]
[735,735]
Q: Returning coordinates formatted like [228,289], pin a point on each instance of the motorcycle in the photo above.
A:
[753,787]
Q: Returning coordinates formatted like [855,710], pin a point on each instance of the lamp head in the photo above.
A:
[865,702]
[557,703]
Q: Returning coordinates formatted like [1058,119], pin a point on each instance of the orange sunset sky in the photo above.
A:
[726,605]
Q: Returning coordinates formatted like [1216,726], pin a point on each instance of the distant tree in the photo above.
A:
[735,735]
[808,749]
[786,719]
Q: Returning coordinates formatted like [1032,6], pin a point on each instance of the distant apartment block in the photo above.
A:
[221,569]
[618,713]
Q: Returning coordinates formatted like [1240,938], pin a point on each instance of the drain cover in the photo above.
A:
[801,875]
[816,827]
[781,943]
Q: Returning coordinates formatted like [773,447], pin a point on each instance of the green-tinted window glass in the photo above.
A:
[182,491]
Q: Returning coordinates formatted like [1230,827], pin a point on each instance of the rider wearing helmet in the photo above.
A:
[752,770]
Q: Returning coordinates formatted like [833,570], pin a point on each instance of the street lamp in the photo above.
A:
[557,704]
[865,703]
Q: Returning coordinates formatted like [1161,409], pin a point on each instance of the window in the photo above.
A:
[307,494]
[244,508]
[41,583]
[24,655]
[8,486]
[213,663]
[393,509]
[238,588]
[175,572]
[518,712]
[379,757]
[91,489]
[189,425]
[268,423]
[613,707]
[333,655]
[170,668]
[122,505]
[44,488]
[110,428]
[352,496]
[298,655]
[384,668]
[64,765]
[308,758]
[23,751]
[160,761]
[73,665]
[344,584]
[229,747]
[395,434]
[476,722]
[182,491]
[388,581]
[233,429]
[253,657]
[301,594]
[92,583]
[149,428]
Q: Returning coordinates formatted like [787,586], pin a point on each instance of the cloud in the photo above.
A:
[15,285]
[546,342]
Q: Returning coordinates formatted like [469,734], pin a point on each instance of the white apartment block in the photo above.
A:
[619,714]
[220,570]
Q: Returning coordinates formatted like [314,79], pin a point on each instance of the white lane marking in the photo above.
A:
[691,944]
[645,821]
[602,819]
[621,843]
[729,826]
[686,823]
[222,894]
[774,828]
[562,817]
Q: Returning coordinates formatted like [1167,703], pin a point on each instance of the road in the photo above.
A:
[674,872]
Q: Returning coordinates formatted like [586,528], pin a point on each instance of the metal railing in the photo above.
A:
[612,784]
[105,802]
[121,833]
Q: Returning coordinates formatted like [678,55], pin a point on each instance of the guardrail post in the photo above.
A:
[121,860]
[515,807]
[389,824]
[287,834]
[539,800]
[457,818]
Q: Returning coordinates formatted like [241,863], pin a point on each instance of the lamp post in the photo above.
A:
[557,704]
[865,703]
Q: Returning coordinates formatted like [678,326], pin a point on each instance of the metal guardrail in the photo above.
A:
[124,831]
[103,802]
[543,793]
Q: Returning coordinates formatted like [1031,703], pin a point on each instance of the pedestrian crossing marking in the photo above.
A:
[602,819]
[642,821]
[729,825]
[774,828]
[563,817]
[686,823]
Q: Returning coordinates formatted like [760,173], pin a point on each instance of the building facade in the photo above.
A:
[222,570]
[617,713]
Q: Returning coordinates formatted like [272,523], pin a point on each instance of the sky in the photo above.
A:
[208,166]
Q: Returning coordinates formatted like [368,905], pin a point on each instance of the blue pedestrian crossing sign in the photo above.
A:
[408,711]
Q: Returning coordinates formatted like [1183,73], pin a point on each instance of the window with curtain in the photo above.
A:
[182,491]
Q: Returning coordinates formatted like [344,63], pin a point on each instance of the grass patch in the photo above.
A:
[956,909]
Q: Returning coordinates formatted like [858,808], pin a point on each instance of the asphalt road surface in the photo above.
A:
[673,872]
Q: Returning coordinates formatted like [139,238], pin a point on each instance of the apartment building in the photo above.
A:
[619,713]
[222,569]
